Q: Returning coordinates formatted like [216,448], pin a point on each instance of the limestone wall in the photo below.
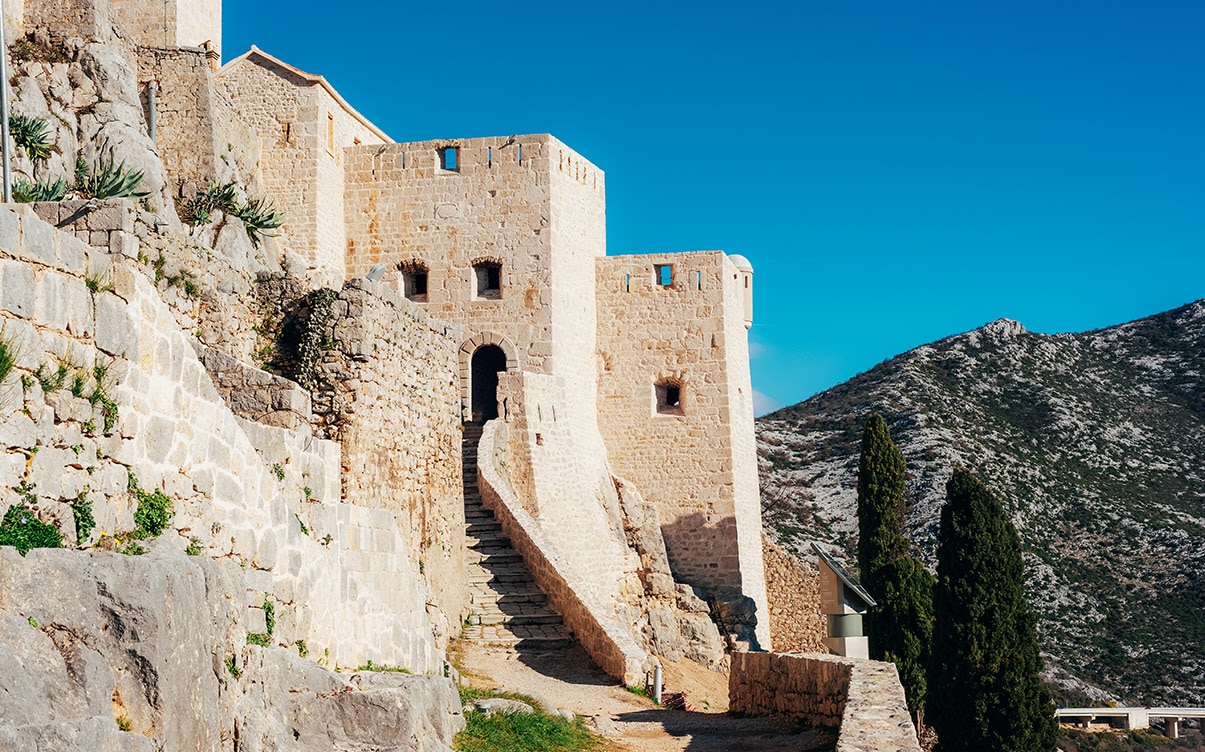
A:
[341,576]
[697,461]
[568,548]
[170,23]
[184,107]
[793,593]
[303,131]
[528,203]
[864,698]
[386,389]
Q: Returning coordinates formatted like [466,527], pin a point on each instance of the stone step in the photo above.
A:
[507,592]
[489,618]
[508,574]
[492,557]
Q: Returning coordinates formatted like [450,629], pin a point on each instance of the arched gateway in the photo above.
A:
[482,358]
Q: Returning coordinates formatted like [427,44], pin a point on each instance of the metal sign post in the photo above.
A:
[4,135]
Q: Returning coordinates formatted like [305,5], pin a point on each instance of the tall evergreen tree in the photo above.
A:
[985,694]
[900,626]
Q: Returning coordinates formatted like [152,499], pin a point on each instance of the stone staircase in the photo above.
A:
[508,608]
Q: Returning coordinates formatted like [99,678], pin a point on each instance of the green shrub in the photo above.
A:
[153,514]
[32,134]
[194,547]
[85,523]
[27,191]
[23,530]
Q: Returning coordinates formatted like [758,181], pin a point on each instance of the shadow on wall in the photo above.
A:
[704,555]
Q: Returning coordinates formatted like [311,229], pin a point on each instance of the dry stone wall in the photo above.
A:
[385,388]
[695,460]
[170,23]
[793,593]
[342,577]
[864,698]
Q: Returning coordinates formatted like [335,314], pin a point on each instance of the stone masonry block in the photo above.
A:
[10,230]
[40,241]
[73,254]
[16,287]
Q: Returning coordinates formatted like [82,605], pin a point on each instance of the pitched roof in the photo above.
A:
[844,576]
[259,54]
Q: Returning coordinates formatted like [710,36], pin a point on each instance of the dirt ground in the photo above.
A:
[571,681]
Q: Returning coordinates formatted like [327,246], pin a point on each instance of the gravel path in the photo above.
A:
[569,679]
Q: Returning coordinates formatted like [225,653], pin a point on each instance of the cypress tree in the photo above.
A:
[985,694]
[900,626]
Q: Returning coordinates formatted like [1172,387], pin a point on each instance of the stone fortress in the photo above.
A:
[434,323]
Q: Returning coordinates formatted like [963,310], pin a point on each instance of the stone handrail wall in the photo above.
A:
[611,646]
[863,698]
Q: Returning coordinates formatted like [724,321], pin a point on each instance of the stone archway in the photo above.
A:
[478,355]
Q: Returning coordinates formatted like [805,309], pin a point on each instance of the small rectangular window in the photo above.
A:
[449,158]
[669,397]
[415,286]
[330,133]
[627,283]
[487,277]
[665,274]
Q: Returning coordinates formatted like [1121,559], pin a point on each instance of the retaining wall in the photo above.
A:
[863,698]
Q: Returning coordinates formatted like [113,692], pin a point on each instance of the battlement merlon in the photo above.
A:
[475,157]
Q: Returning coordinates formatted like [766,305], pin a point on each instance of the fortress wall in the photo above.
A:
[169,23]
[87,19]
[570,546]
[738,426]
[578,226]
[386,388]
[493,206]
[184,105]
[864,698]
[345,583]
[692,464]
[303,131]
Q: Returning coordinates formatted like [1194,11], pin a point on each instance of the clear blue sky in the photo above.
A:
[896,172]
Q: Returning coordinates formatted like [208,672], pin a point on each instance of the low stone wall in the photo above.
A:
[588,611]
[254,394]
[863,698]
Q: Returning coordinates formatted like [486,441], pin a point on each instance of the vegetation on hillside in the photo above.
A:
[1096,443]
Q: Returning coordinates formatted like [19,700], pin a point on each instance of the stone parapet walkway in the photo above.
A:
[507,608]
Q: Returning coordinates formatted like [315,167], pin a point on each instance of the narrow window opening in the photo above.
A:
[627,283]
[449,158]
[489,156]
[698,280]
[665,274]
[403,160]
[414,280]
[669,397]
[746,283]
[487,277]
[330,133]
[520,153]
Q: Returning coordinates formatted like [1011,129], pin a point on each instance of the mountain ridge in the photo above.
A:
[1094,441]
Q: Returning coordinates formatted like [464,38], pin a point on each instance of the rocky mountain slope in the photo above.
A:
[1096,444]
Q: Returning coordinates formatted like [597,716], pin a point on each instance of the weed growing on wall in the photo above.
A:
[85,523]
[23,530]
[194,547]
[8,358]
[233,668]
[382,667]
[264,639]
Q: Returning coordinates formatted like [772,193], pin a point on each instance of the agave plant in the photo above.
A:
[25,191]
[199,209]
[107,180]
[259,215]
[32,134]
